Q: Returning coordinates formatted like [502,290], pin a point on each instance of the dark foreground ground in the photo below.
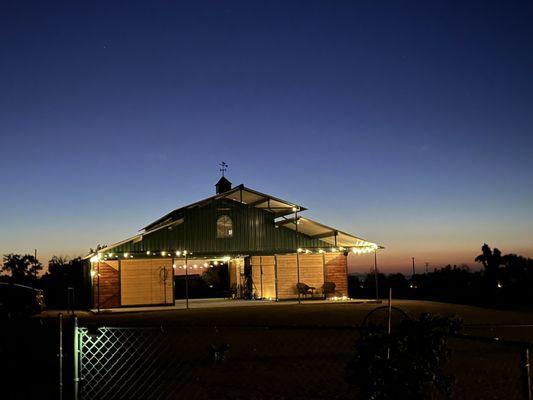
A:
[274,351]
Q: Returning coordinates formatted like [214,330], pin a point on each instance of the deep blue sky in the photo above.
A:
[409,123]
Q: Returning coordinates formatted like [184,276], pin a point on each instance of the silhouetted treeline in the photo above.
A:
[63,284]
[504,280]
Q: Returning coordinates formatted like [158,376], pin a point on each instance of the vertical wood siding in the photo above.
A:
[107,292]
[142,282]
[337,272]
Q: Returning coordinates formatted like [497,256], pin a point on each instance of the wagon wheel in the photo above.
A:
[378,318]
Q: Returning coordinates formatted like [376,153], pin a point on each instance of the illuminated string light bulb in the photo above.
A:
[148,253]
[300,250]
[126,255]
[205,265]
[216,263]
[321,251]
[178,253]
[163,253]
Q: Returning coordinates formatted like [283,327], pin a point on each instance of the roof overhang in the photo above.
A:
[332,236]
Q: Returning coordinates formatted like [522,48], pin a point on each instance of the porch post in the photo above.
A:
[297,255]
[376,273]
[186,282]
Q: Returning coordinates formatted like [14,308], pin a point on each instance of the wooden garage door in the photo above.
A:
[144,282]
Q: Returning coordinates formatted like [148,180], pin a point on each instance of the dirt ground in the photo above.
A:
[504,324]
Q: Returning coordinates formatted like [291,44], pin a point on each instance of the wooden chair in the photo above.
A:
[304,289]
[328,288]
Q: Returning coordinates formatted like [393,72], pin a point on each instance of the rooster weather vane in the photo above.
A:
[223,167]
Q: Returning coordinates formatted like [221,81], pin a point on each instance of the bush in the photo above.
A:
[407,363]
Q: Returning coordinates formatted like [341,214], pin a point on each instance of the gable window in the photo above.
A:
[224,227]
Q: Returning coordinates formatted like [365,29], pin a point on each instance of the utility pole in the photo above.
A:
[427,267]
[412,258]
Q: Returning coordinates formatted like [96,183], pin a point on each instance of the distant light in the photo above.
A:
[216,263]
[178,253]
[126,255]
[148,253]
[163,253]
[206,265]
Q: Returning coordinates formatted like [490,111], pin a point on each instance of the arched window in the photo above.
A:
[224,227]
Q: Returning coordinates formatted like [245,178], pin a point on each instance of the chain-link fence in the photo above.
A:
[263,363]
[227,362]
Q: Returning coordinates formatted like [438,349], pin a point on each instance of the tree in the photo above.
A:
[23,269]
[491,260]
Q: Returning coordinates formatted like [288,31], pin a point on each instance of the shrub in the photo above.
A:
[405,364]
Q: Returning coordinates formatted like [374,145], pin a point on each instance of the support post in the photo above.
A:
[376,273]
[76,356]
[526,372]
[389,316]
[186,282]
[98,286]
[60,356]
[297,256]
[261,275]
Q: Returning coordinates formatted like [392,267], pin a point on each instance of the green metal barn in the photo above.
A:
[267,249]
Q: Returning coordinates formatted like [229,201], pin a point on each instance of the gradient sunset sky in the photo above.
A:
[407,123]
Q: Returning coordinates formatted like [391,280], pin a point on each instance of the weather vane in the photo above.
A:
[223,167]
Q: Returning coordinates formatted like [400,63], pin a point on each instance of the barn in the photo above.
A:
[261,246]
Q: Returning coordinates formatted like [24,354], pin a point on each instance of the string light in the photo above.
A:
[126,255]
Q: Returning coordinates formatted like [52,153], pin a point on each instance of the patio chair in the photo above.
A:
[304,289]
[328,288]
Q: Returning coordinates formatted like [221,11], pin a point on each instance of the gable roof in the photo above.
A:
[241,194]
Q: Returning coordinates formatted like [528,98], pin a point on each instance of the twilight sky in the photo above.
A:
[408,123]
